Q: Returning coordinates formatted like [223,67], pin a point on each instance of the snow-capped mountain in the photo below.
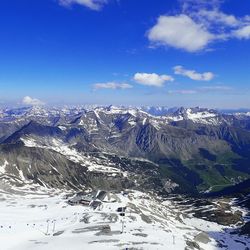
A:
[185,151]
[185,139]
[151,162]
[158,110]
[198,115]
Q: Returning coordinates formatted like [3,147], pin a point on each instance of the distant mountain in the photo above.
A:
[191,149]
[234,111]
[158,110]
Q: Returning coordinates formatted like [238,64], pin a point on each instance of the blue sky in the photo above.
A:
[126,52]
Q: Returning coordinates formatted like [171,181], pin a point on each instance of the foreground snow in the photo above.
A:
[44,220]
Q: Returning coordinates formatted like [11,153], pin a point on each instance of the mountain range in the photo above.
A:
[187,150]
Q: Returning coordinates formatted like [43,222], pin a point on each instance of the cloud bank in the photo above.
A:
[27,100]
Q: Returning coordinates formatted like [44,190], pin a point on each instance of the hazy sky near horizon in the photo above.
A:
[125,52]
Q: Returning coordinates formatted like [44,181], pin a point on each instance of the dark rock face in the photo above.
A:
[221,217]
[36,129]
[215,210]
[245,230]
[52,169]
[191,245]
[42,166]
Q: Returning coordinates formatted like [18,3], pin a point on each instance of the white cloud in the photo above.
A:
[112,85]
[92,4]
[180,32]
[243,33]
[27,100]
[192,74]
[215,16]
[152,79]
[200,24]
